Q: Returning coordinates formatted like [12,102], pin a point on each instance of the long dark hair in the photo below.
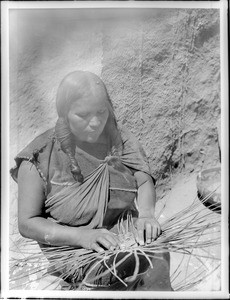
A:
[71,88]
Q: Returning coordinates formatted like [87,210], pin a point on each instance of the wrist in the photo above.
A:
[73,236]
[147,213]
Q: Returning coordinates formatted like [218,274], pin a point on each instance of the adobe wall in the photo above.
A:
[161,68]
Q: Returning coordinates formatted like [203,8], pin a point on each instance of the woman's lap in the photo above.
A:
[97,276]
[156,278]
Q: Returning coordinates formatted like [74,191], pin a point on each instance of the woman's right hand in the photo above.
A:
[98,240]
[33,225]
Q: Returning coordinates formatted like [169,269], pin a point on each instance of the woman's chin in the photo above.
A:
[92,139]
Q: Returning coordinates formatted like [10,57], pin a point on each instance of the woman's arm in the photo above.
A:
[33,225]
[147,226]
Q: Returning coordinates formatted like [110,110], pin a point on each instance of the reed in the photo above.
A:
[185,232]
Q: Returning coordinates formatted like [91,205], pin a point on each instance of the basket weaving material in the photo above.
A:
[188,232]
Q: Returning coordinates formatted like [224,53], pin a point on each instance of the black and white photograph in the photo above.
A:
[114,149]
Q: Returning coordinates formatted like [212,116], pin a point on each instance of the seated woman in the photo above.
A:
[76,180]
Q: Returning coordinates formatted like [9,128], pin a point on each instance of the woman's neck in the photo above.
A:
[98,149]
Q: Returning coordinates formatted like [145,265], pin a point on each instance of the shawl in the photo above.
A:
[104,187]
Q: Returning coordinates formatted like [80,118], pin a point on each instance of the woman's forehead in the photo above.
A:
[90,100]
[81,89]
[89,86]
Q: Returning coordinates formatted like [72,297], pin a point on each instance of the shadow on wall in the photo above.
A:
[161,68]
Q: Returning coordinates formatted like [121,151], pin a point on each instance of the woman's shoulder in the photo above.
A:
[128,137]
[37,152]
[133,154]
[41,140]
[37,144]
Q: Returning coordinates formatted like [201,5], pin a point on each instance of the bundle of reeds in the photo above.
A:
[188,232]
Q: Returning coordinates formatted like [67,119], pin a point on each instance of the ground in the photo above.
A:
[182,194]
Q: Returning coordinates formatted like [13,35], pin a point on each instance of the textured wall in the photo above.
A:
[163,73]
[161,68]
[44,47]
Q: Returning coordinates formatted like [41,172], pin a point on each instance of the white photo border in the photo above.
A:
[8,5]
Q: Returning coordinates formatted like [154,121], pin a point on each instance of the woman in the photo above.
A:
[58,171]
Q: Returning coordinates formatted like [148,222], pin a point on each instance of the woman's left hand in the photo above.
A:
[148,229]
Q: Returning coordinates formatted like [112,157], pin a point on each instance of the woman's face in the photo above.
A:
[87,117]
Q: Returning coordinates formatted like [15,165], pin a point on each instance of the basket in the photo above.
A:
[209,188]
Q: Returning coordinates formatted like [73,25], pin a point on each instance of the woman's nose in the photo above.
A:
[95,121]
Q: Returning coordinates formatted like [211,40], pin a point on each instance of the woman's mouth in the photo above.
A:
[93,130]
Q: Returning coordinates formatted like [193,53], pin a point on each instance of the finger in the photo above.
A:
[154,232]
[158,230]
[111,236]
[116,237]
[135,232]
[113,241]
[97,248]
[141,237]
[104,242]
[148,233]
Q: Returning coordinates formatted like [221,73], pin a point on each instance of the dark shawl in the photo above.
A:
[104,188]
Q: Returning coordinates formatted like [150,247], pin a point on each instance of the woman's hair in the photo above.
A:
[73,87]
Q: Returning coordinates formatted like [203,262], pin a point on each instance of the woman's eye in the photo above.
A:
[82,115]
[102,111]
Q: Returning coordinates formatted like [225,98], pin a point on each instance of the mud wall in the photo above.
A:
[161,68]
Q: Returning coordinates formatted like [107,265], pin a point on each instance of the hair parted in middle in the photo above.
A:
[73,87]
